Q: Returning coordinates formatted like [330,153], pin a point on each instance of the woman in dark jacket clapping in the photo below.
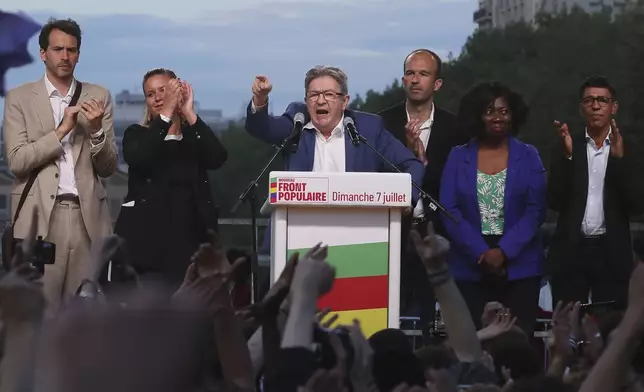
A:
[168,208]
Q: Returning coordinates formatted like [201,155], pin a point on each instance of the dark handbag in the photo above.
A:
[8,239]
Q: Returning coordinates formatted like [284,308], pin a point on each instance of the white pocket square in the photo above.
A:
[128,204]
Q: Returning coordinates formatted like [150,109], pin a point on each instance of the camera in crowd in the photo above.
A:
[325,354]
[43,253]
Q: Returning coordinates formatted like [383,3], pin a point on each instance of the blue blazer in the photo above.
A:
[524,211]
[274,129]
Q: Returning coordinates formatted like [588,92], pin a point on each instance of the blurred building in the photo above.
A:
[499,13]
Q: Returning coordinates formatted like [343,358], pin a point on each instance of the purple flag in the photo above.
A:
[15,32]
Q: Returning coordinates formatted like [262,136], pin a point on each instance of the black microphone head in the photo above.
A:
[299,118]
[350,126]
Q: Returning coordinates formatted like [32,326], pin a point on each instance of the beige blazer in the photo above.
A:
[30,142]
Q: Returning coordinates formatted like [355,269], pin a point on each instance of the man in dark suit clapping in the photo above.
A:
[430,132]
[595,187]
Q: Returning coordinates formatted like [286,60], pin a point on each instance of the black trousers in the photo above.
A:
[521,296]
[416,293]
[594,276]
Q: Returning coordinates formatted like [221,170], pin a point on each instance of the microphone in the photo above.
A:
[298,123]
[356,138]
[351,130]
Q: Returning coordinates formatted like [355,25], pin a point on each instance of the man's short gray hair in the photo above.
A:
[334,72]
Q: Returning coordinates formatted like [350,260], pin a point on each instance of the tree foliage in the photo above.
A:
[546,64]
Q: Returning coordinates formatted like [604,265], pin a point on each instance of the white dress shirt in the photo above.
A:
[67,179]
[593,223]
[425,131]
[329,153]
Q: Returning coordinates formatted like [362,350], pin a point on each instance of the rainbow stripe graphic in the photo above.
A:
[273,190]
[361,287]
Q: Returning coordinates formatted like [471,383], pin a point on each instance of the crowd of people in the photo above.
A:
[137,338]
[160,304]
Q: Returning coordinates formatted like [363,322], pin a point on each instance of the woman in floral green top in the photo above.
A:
[496,186]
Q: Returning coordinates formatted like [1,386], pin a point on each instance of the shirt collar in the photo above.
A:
[429,122]
[51,90]
[606,141]
[337,130]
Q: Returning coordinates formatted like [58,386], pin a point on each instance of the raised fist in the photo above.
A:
[261,88]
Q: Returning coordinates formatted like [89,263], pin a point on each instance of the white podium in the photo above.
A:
[358,216]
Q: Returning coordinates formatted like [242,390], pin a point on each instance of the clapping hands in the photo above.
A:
[93,110]
[172,97]
[564,134]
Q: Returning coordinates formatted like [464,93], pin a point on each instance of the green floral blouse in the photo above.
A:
[491,191]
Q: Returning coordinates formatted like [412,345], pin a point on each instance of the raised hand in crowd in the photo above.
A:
[594,343]
[502,323]
[328,323]
[271,314]
[209,274]
[361,373]
[313,273]
[313,278]
[564,343]
[270,305]
[207,282]
[564,134]
[93,110]
[333,379]
[614,365]
[490,311]
[261,88]
[432,250]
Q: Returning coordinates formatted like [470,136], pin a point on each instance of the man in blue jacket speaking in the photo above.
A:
[324,144]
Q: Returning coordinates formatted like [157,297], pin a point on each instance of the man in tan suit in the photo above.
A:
[74,146]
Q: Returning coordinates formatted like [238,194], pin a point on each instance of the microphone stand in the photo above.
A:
[249,195]
[433,204]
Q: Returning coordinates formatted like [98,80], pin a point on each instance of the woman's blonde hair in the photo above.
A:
[145,121]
